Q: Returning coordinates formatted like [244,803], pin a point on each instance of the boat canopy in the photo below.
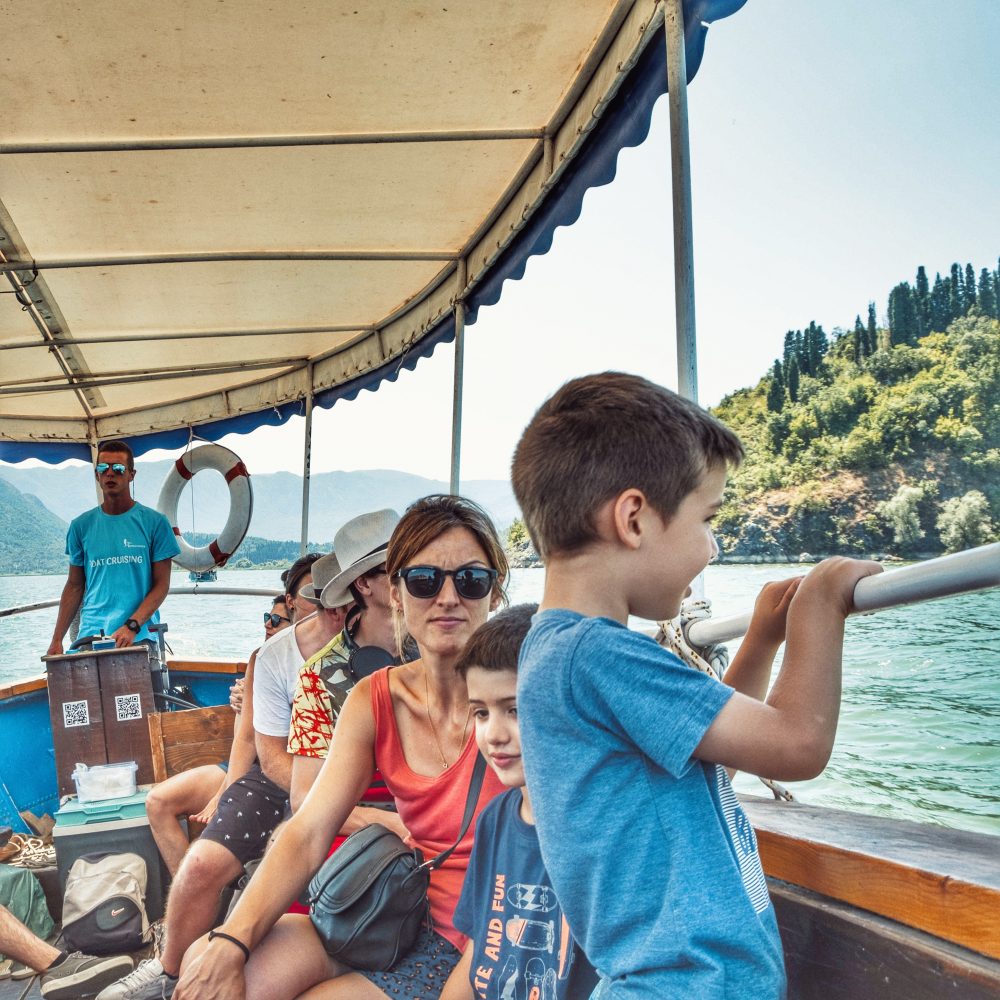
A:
[213,214]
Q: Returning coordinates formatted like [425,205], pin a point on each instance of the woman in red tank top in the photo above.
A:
[413,723]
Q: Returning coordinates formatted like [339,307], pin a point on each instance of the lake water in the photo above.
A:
[919,734]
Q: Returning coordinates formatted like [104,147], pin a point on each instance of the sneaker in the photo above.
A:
[148,982]
[79,975]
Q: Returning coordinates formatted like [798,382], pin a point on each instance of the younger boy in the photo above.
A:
[520,944]
[625,747]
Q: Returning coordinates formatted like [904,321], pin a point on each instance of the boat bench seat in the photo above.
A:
[196,736]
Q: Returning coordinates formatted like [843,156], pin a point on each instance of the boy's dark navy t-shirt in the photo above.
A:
[648,849]
[522,947]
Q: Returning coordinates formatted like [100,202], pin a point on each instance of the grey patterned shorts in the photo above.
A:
[421,975]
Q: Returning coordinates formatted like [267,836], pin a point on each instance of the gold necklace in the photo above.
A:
[434,732]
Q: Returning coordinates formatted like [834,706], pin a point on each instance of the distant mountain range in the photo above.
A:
[37,503]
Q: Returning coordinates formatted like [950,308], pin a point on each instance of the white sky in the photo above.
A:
[836,145]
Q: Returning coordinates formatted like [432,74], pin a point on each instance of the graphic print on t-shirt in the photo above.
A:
[535,950]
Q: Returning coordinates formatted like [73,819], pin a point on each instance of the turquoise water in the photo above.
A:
[919,735]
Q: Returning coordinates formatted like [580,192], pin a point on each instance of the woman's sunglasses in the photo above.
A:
[471,582]
[115,467]
[273,619]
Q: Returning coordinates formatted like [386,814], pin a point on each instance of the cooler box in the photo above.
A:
[115,826]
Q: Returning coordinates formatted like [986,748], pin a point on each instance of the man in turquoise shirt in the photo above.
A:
[119,559]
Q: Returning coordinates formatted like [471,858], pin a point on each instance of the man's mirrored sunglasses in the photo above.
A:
[471,582]
[115,467]
[273,619]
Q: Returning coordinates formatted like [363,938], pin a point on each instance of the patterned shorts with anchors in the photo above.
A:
[248,812]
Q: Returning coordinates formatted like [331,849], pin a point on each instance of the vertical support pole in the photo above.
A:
[456,398]
[92,434]
[306,464]
[680,168]
[680,172]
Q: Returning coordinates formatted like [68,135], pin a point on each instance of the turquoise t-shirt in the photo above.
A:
[117,552]
[649,852]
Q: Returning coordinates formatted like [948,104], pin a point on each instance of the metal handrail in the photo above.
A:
[196,589]
[959,573]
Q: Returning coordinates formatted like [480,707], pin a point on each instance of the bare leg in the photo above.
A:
[269,973]
[348,987]
[184,795]
[193,902]
[17,942]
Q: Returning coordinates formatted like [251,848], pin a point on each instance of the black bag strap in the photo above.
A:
[475,784]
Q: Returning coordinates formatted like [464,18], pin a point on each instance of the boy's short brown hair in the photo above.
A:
[496,644]
[600,435]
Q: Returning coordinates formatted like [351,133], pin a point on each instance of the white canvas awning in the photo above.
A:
[210,210]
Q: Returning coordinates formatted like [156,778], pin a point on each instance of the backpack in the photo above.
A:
[104,905]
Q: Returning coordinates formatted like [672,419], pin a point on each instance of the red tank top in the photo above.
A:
[431,808]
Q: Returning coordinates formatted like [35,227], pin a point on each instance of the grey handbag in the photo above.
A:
[369,898]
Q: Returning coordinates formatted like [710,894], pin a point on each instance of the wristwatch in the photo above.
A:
[132,625]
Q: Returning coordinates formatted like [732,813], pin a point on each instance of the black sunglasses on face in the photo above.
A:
[116,467]
[273,619]
[471,582]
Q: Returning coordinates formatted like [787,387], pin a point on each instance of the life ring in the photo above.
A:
[217,552]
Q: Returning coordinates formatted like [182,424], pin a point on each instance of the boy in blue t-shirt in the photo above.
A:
[625,747]
[520,946]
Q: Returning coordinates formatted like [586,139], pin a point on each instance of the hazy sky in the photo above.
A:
[836,145]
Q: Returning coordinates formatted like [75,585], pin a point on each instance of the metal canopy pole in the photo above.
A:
[306,465]
[680,167]
[456,398]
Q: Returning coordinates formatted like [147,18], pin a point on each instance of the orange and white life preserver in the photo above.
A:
[209,456]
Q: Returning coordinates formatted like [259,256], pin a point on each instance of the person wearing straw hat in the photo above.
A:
[366,643]
[251,807]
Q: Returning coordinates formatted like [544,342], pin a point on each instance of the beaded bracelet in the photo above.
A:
[212,935]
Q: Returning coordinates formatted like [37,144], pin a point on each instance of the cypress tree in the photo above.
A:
[903,323]
[811,338]
[956,295]
[792,379]
[939,304]
[860,340]
[923,301]
[776,390]
[970,287]
[872,329]
[789,348]
[987,296]
[800,354]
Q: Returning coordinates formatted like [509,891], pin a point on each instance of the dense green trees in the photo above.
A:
[892,435]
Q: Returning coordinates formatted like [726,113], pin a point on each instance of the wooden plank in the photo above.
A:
[23,687]
[195,737]
[156,746]
[836,952]
[944,882]
[127,698]
[77,716]
[208,666]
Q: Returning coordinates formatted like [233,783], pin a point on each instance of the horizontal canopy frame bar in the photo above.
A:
[287,365]
[958,573]
[155,338]
[271,141]
[223,256]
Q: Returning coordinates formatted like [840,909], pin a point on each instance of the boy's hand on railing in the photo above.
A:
[236,695]
[770,611]
[832,582]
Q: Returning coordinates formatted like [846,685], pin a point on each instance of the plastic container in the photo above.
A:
[104,781]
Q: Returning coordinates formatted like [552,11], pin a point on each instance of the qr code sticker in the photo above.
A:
[75,713]
[128,707]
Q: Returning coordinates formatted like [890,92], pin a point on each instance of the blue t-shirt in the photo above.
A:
[522,946]
[648,849]
[117,552]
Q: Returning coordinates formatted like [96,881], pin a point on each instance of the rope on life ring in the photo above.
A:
[218,551]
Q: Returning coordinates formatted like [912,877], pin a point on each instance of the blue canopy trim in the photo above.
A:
[624,124]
